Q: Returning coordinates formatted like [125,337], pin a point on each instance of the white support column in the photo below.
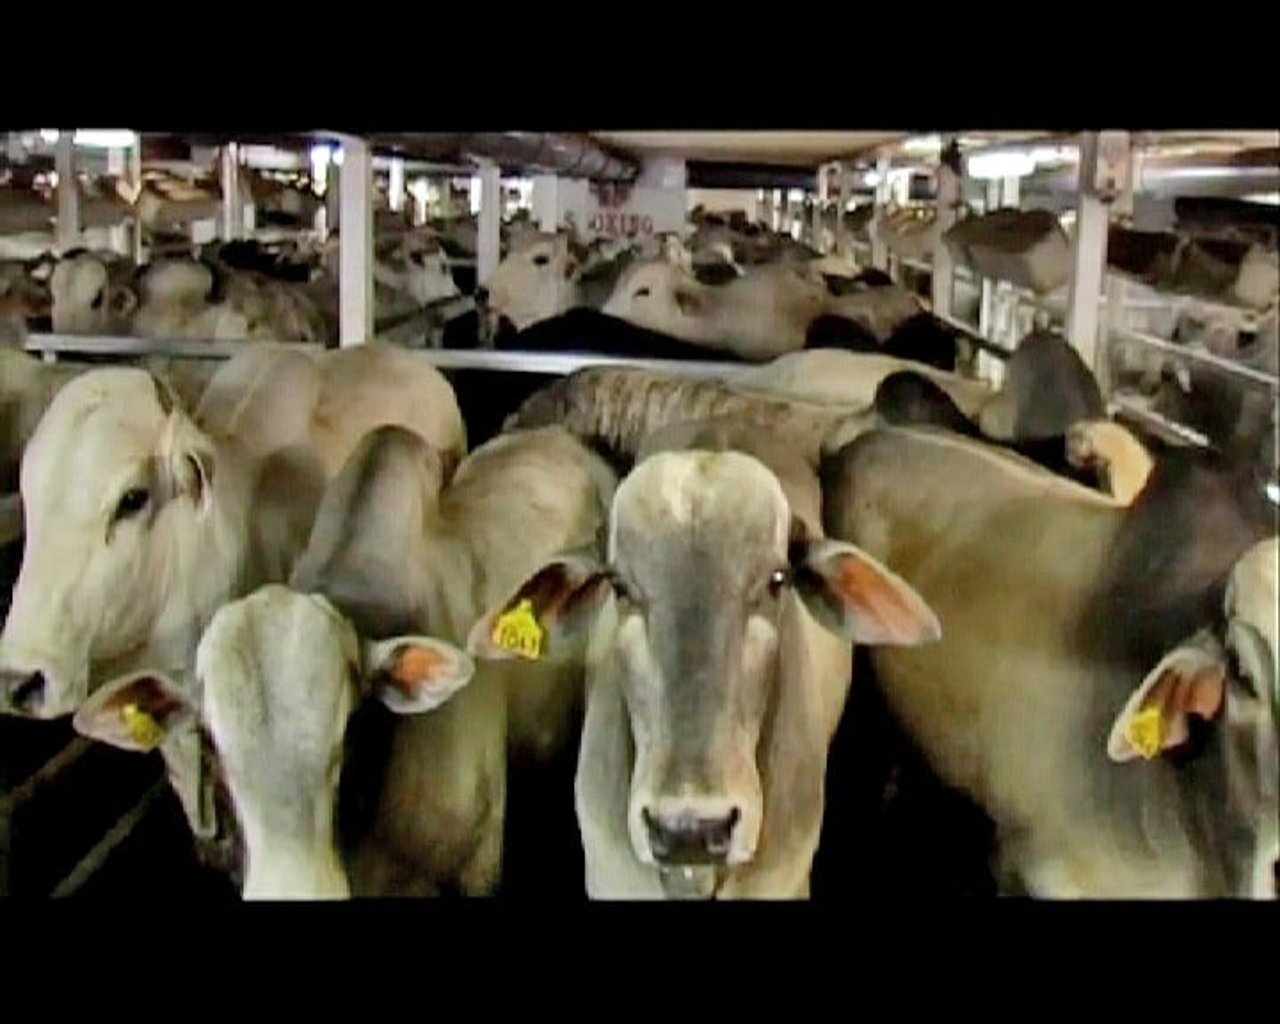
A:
[879,253]
[489,229]
[943,276]
[1104,167]
[777,200]
[1116,288]
[546,202]
[232,222]
[332,198]
[355,245]
[118,234]
[986,311]
[395,185]
[68,224]
[13,147]
[844,187]
[135,182]
[819,203]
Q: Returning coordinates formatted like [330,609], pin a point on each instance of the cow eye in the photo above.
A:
[132,502]
[642,293]
[779,579]
[541,261]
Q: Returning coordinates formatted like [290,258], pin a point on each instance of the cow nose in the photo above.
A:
[688,837]
[24,693]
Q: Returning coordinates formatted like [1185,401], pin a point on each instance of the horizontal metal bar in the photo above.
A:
[1196,356]
[182,348]
[555,363]
[91,863]
[1133,406]
[26,790]
[971,333]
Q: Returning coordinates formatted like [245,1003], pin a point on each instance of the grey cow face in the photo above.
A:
[699,557]
[703,576]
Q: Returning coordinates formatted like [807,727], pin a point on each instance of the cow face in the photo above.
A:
[705,574]
[535,282]
[85,301]
[114,482]
[279,673]
[1225,676]
[660,296]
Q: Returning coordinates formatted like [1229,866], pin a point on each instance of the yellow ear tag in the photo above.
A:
[1146,732]
[143,729]
[518,631]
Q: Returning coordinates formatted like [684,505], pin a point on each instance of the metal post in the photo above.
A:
[68,224]
[843,191]
[232,225]
[819,203]
[332,194]
[546,202]
[943,282]
[395,185]
[986,312]
[135,181]
[489,229]
[879,253]
[1116,286]
[118,234]
[1103,166]
[355,244]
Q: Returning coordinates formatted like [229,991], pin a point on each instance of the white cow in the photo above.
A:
[716,635]
[278,675]
[397,550]
[142,520]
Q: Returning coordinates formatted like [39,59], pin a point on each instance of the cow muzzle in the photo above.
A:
[691,832]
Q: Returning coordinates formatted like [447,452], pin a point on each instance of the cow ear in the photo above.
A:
[413,674]
[121,300]
[134,712]
[186,458]
[856,597]
[549,615]
[1189,680]
[690,303]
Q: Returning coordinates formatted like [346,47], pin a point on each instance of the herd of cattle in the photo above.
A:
[1072,621]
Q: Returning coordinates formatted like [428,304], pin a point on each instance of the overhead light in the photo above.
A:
[1273,492]
[1270,198]
[923,145]
[995,166]
[49,135]
[104,138]
[871,179]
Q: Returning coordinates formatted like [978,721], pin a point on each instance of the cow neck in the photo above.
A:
[280,868]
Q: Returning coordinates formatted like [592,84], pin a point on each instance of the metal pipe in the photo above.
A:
[91,863]
[1192,355]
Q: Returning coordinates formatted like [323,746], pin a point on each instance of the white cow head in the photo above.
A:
[279,674]
[85,299]
[536,282]
[1225,675]
[693,616]
[117,485]
[660,295]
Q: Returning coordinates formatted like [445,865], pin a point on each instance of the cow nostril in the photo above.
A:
[29,694]
[482,296]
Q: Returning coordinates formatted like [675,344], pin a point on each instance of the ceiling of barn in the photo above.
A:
[793,149]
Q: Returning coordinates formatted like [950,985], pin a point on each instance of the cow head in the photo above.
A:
[536,281]
[85,299]
[116,482]
[279,674]
[660,296]
[707,572]
[1226,677]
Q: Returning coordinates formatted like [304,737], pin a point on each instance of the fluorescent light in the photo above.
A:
[473,186]
[1270,198]
[50,135]
[105,138]
[923,145]
[871,179]
[995,166]
[1273,492]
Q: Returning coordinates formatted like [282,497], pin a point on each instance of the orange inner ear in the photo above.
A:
[417,665]
[864,588]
